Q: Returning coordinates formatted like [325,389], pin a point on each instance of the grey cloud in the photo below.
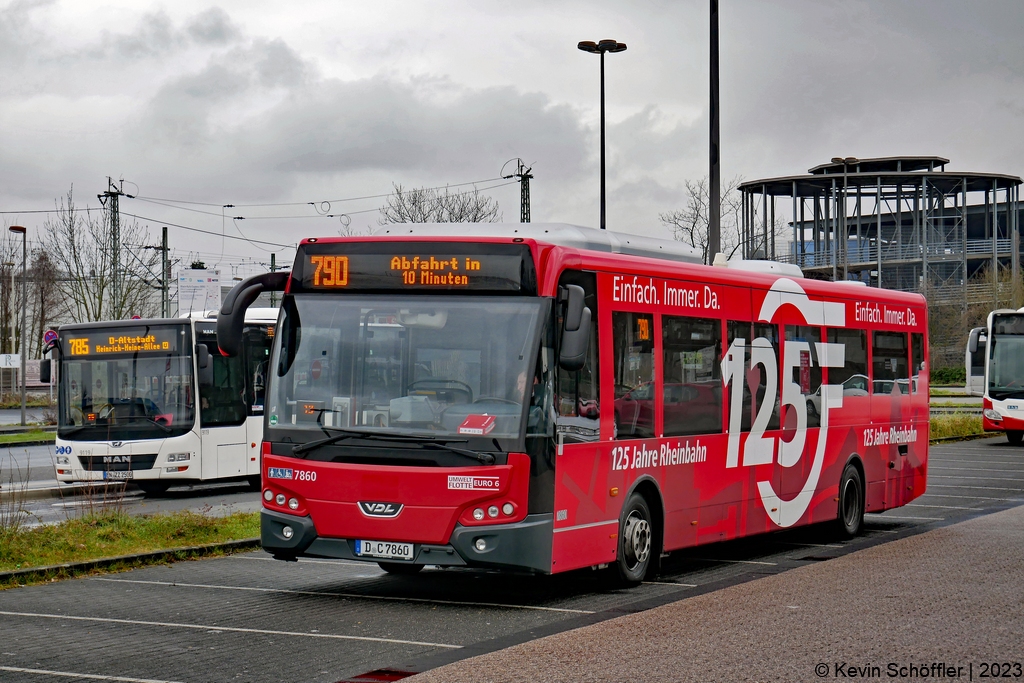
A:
[212,27]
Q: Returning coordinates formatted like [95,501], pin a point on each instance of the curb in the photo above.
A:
[16,444]
[69,569]
[32,493]
[968,437]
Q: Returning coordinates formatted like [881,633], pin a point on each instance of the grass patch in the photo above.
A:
[34,435]
[116,533]
[955,424]
[10,401]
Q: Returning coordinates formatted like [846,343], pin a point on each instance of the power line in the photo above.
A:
[208,232]
[329,201]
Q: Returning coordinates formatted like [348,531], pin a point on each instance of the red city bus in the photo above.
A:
[548,397]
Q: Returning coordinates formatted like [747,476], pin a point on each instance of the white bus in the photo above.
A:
[154,402]
[995,371]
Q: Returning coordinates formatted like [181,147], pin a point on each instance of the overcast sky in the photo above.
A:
[253,102]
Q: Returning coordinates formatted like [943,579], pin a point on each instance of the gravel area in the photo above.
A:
[943,605]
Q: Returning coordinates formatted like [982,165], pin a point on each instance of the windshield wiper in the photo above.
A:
[443,443]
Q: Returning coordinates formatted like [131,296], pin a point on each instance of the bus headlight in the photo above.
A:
[293,503]
[63,460]
[287,532]
[178,457]
[993,415]
[492,511]
[280,499]
[268,495]
[478,514]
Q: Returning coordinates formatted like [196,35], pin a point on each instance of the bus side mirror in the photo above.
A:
[231,318]
[972,342]
[44,371]
[575,329]
[203,362]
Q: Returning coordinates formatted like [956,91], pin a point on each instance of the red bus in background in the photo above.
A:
[548,397]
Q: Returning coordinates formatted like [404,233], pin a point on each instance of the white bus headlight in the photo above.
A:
[993,415]
[268,495]
[63,460]
[179,457]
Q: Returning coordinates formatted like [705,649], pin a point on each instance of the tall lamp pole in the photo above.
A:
[599,48]
[24,307]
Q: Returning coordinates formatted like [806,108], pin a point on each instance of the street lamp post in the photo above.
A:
[24,307]
[606,45]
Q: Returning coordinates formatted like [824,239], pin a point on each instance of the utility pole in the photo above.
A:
[715,189]
[273,269]
[524,175]
[112,194]
[165,274]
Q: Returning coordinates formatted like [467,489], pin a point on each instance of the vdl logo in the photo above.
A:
[757,448]
[380,509]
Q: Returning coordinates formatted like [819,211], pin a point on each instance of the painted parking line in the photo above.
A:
[880,517]
[670,583]
[358,596]
[305,560]
[950,495]
[974,488]
[941,507]
[71,674]
[713,559]
[1014,461]
[229,629]
[970,469]
[957,476]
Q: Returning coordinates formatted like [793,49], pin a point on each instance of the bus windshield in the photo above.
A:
[133,382]
[1006,364]
[437,366]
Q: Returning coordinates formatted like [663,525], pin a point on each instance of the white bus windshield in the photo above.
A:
[1006,359]
[132,382]
[441,366]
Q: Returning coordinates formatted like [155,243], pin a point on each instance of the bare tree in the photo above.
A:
[428,205]
[81,247]
[10,286]
[44,299]
[690,225]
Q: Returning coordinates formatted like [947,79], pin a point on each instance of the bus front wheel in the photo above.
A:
[1015,437]
[636,542]
[850,519]
[400,568]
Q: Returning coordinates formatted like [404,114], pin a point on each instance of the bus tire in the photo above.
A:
[400,568]
[1014,436]
[850,517]
[636,542]
[254,481]
[153,488]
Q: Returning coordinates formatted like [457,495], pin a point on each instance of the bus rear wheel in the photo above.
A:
[636,542]
[850,518]
[1014,436]
[152,488]
[400,568]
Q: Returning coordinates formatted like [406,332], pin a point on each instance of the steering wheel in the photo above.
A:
[495,399]
[461,386]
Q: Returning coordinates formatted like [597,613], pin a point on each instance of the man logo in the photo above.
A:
[116,458]
[380,509]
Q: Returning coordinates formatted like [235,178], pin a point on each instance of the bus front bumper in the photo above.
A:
[519,545]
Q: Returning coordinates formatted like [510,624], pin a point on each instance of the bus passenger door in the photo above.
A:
[890,407]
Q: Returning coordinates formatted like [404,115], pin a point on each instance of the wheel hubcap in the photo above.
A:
[637,539]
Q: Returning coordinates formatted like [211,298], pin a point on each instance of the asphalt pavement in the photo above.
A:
[771,607]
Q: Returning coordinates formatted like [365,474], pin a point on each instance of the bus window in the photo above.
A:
[692,373]
[916,359]
[889,363]
[807,373]
[578,392]
[223,403]
[762,340]
[633,346]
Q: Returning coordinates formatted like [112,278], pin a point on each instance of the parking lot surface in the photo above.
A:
[250,618]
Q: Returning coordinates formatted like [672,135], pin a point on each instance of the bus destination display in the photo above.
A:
[419,266]
[122,341]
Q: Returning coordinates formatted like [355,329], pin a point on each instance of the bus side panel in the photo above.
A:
[586,512]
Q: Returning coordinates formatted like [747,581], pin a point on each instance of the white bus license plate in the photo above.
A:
[384,549]
[124,474]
